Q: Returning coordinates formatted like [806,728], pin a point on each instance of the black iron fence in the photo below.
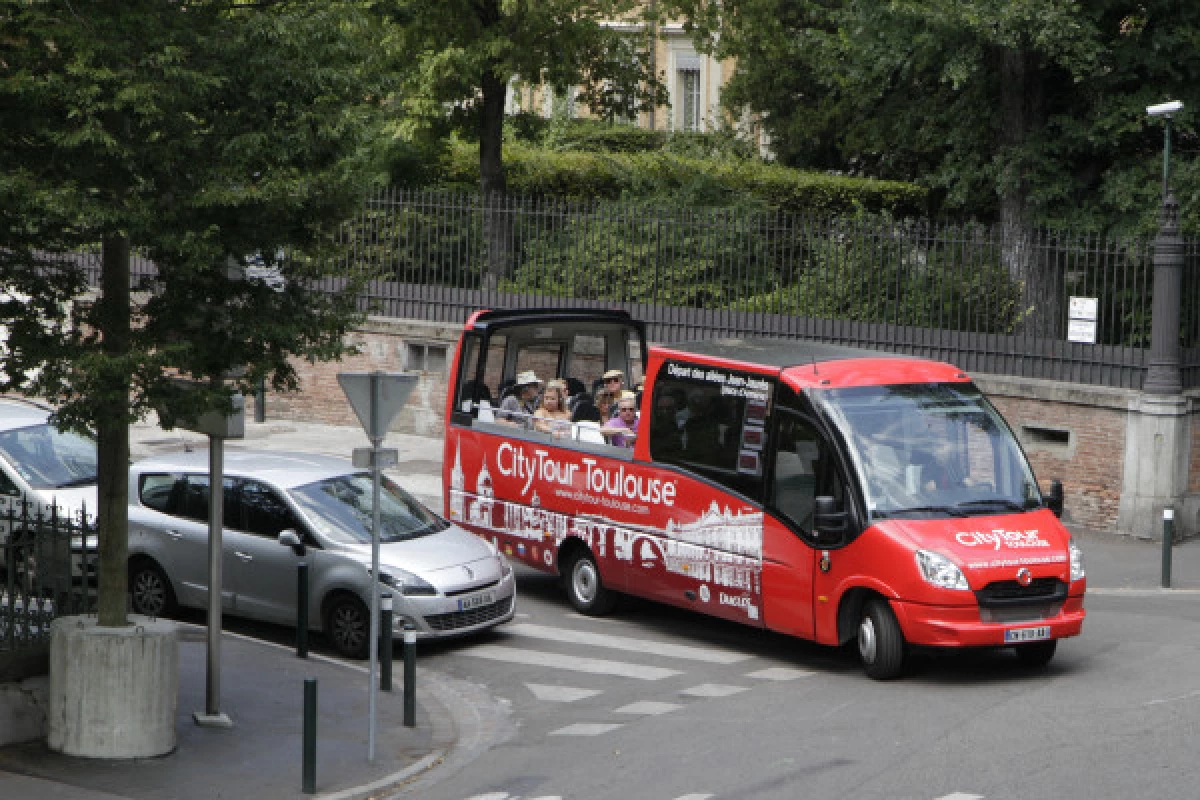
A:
[987,300]
[50,568]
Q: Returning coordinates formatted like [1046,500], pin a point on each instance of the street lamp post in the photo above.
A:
[1163,375]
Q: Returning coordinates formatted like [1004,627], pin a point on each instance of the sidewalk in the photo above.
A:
[262,692]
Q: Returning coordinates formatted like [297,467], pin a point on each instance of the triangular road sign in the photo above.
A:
[377,397]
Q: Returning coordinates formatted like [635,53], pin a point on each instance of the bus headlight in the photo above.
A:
[940,571]
[1077,570]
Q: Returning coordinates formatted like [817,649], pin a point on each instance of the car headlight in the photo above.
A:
[1077,570]
[408,584]
[505,567]
[940,571]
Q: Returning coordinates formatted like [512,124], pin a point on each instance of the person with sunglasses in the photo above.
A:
[614,382]
[621,430]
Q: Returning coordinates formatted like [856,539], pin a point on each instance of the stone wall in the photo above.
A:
[1072,433]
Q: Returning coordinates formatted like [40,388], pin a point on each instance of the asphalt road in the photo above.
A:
[654,703]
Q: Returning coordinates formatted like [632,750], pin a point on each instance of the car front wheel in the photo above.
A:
[348,626]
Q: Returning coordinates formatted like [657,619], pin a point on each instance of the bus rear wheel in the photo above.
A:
[880,641]
[585,589]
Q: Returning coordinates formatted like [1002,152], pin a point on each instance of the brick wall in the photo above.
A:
[1194,458]
[386,345]
[1078,440]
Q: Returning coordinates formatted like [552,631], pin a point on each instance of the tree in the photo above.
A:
[1029,113]
[467,52]
[194,134]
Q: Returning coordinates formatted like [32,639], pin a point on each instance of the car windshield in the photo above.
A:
[931,450]
[48,458]
[340,509]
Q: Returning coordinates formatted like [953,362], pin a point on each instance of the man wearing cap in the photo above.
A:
[614,381]
[518,407]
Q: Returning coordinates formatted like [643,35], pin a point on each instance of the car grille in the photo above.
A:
[470,589]
[466,619]
[1006,594]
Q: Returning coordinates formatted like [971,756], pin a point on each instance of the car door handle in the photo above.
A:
[176,535]
[243,556]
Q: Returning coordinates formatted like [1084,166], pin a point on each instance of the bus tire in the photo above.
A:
[880,641]
[1036,654]
[585,590]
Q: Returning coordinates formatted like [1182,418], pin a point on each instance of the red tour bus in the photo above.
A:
[826,492]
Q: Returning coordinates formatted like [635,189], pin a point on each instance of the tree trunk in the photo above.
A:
[1022,111]
[497,224]
[113,434]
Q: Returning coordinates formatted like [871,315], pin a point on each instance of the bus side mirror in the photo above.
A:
[1055,501]
[829,524]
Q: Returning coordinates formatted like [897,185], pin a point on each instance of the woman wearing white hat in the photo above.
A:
[518,407]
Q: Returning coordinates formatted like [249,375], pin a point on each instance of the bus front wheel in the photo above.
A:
[880,641]
[585,589]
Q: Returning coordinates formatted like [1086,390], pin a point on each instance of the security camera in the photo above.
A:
[1164,109]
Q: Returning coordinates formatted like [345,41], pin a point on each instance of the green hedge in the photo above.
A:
[658,175]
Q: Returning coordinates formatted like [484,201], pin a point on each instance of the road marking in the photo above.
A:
[491,796]
[780,674]
[560,694]
[648,707]
[626,643]
[585,729]
[694,797]
[1139,593]
[713,690]
[593,666]
[961,796]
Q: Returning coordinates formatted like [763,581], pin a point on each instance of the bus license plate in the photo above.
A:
[475,601]
[1027,634]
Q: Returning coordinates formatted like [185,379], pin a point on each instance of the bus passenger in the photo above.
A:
[614,381]
[621,431]
[552,416]
[518,407]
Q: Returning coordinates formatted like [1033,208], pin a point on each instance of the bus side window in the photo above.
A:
[797,469]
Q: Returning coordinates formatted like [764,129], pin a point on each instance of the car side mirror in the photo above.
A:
[1055,500]
[289,538]
[829,522]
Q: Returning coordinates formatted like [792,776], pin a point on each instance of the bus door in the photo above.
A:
[802,468]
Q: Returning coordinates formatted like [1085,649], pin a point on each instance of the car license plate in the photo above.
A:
[476,600]
[1017,635]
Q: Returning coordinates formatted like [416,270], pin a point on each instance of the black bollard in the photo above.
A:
[410,676]
[1168,541]
[302,610]
[385,642]
[308,783]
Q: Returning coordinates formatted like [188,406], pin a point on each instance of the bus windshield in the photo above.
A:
[931,450]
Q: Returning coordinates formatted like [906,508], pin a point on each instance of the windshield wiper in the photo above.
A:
[998,502]
[950,511]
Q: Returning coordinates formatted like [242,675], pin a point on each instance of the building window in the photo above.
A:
[420,357]
[689,88]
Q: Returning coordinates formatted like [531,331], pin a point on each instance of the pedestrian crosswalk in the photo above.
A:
[573,663]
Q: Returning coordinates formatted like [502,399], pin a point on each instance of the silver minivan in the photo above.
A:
[281,509]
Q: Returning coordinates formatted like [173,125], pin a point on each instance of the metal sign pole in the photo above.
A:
[212,716]
[372,683]
[376,398]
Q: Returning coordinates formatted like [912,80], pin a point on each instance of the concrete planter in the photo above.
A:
[113,691]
